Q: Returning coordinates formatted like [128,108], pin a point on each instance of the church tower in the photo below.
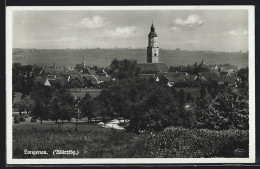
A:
[83,61]
[152,49]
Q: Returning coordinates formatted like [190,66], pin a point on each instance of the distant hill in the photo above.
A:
[103,57]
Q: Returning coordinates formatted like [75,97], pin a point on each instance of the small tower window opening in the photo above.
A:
[155,54]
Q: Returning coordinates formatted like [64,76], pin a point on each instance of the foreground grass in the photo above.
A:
[92,141]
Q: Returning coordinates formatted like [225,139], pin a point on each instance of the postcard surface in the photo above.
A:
[130,84]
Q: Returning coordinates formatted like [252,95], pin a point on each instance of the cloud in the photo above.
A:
[121,32]
[191,22]
[93,23]
[237,32]
[66,39]
[175,29]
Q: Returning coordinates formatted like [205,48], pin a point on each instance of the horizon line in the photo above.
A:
[130,48]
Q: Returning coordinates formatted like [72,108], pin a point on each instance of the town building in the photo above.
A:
[152,49]
[153,65]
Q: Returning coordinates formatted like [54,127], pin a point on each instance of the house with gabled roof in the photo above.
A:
[147,76]
[102,79]
[93,79]
[42,81]
[210,75]
[230,80]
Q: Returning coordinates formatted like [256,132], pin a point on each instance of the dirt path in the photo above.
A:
[113,124]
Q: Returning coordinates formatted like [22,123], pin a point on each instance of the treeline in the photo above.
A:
[149,105]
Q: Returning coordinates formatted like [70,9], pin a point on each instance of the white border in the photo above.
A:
[251,40]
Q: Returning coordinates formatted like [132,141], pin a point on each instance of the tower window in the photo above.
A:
[155,54]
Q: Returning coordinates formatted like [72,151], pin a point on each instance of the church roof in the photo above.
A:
[151,68]
[104,78]
[152,33]
[92,78]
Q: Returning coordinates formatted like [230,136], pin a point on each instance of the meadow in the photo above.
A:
[103,57]
[93,141]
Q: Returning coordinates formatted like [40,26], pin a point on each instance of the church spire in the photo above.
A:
[152,28]
[152,49]
[83,61]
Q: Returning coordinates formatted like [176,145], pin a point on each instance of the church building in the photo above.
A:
[152,49]
[153,65]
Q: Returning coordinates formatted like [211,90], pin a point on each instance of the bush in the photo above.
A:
[33,119]
[185,143]
[26,115]
[22,119]
[16,119]
[97,142]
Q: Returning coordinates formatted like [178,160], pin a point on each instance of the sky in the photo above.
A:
[215,30]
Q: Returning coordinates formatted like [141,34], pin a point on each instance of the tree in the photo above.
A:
[19,106]
[61,98]
[66,112]
[214,89]
[16,76]
[188,97]
[41,111]
[22,79]
[124,69]
[56,109]
[28,105]
[104,105]
[225,110]
[65,98]
[42,96]
[87,107]
[157,111]
[181,100]
[186,116]
[203,92]
[242,83]
[13,96]
[74,84]
[79,67]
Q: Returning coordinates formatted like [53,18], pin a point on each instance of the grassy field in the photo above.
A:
[93,141]
[103,57]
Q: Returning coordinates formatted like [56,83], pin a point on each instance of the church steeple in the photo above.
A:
[83,61]
[152,33]
[152,28]
[152,49]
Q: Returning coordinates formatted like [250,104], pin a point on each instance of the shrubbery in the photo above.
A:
[183,143]
[16,119]
[110,143]
[33,119]
[22,119]
[26,115]
[227,110]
